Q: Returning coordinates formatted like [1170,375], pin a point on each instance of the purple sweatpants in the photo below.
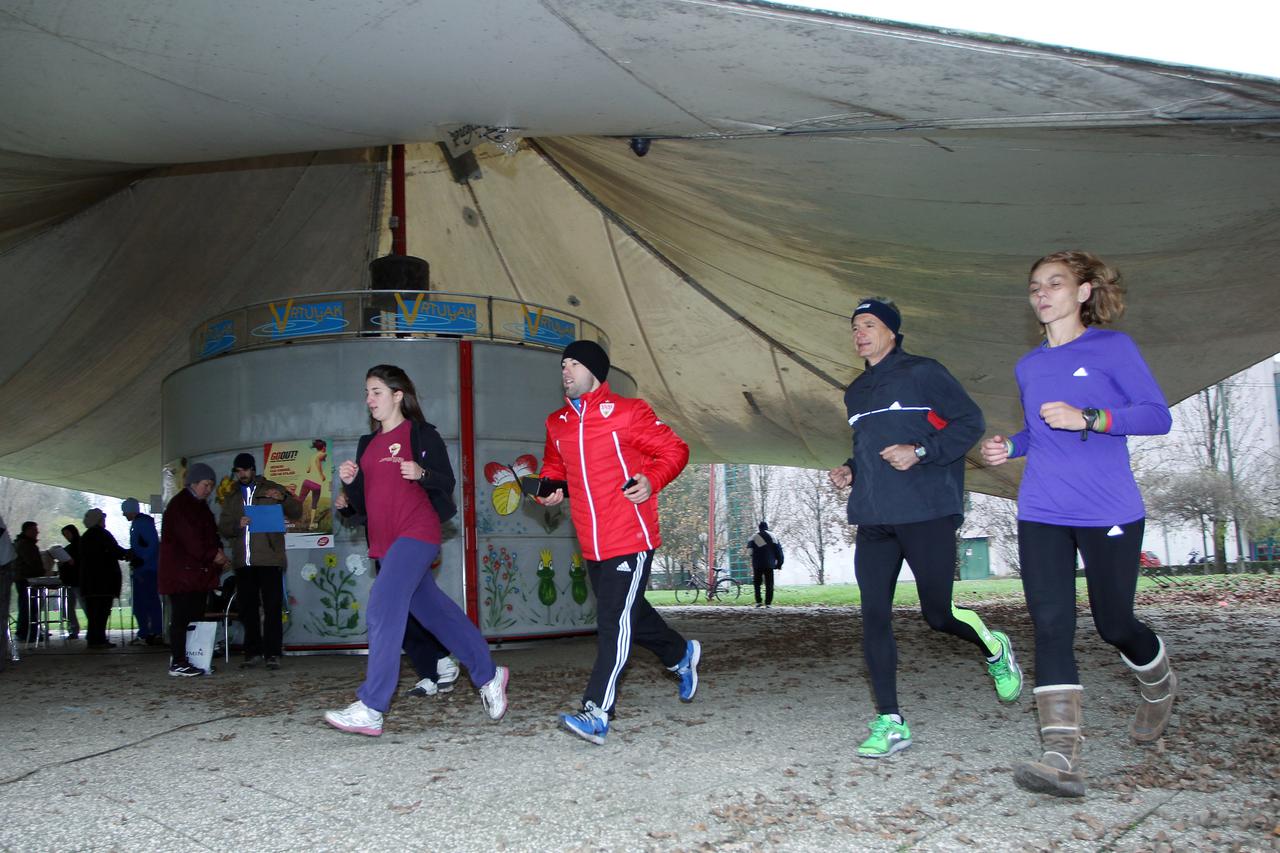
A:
[404,585]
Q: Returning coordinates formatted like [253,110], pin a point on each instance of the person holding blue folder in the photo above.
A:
[253,523]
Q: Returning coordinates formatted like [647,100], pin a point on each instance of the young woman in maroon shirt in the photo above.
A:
[402,463]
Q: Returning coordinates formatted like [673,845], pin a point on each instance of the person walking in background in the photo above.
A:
[144,557]
[766,558]
[403,485]
[100,577]
[1084,390]
[912,425]
[191,560]
[259,559]
[616,456]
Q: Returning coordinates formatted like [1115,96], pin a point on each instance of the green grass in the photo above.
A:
[121,618]
[842,594]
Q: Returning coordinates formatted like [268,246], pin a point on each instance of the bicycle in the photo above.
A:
[724,588]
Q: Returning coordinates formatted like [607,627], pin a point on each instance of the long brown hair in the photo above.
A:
[397,380]
[1106,298]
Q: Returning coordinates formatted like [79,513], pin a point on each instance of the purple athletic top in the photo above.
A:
[1085,483]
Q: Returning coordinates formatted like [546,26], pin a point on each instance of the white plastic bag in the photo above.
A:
[200,640]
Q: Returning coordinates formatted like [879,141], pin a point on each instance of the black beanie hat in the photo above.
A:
[245,460]
[886,314]
[591,356]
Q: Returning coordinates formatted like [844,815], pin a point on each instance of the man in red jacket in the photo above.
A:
[616,456]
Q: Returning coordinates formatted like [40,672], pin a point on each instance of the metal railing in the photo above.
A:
[390,314]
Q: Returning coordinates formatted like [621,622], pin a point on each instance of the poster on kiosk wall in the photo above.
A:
[304,469]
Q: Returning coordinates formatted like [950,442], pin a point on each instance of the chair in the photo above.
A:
[221,607]
[47,606]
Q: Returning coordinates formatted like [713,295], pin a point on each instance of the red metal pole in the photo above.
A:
[399,235]
[711,529]
[467,465]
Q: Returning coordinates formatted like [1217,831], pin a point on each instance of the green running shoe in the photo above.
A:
[1005,671]
[887,737]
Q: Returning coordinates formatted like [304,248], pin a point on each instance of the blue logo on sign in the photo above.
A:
[542,328]
[436,316]
[296,321]
[219,336]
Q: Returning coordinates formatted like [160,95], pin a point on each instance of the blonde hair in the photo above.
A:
[1106,299]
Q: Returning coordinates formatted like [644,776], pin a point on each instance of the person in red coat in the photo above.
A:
[616,456]
[191,558]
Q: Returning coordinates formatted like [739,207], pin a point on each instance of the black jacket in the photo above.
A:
[437,477]
[99,560]
[766,556]
[909,399]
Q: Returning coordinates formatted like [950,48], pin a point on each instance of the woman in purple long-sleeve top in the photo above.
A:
[1083,391]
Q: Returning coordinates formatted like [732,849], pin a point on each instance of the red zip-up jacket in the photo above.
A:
[596,452]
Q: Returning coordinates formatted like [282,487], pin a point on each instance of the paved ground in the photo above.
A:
[102,751]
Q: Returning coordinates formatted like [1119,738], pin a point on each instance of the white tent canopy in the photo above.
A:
[799,160]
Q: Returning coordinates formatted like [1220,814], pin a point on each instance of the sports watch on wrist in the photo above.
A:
[1090,418]
[921,452]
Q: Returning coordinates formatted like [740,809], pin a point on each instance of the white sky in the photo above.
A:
[1229,35]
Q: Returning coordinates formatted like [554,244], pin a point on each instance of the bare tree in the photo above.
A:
[683,508]
[815,521]
[50,507]
[766,490]
[997,519]
[1213,449]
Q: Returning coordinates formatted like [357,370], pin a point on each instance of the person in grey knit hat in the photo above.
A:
[191,560]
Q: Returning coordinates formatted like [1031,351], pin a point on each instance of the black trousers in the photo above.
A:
[184,608]
[97,610]
[260,602]
[930,548]
[763,576]
[623,616]
[25,632]
[423,649]
[1047,553]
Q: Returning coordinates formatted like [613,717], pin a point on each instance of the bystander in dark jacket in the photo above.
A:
[100,577]
[191,560]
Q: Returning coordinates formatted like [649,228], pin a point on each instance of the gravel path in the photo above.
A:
[103,751]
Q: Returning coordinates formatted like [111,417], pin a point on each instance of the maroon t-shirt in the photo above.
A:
[395,506]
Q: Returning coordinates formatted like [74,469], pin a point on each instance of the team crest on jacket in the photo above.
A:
[606,409]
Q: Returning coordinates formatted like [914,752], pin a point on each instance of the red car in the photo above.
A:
[1148,560]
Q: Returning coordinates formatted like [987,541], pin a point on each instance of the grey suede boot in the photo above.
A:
[1057,771]
[1158,685]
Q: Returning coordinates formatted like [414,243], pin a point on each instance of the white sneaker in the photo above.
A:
[357,718]
[494,694]
[446,673]
[426,687]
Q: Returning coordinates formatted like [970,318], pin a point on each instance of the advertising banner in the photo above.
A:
[304,469]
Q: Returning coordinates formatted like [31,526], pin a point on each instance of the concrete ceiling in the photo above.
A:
[799,160]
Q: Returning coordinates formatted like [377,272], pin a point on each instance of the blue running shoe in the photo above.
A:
[589,724]
[687,669]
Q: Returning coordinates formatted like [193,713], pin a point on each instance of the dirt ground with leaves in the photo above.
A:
[103,751]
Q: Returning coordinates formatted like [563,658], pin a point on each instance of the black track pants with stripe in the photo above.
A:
[625,617]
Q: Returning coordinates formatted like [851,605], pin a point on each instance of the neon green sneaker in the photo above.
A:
[887,737]
[1005,671]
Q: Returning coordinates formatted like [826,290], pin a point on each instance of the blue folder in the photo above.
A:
[268,518]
